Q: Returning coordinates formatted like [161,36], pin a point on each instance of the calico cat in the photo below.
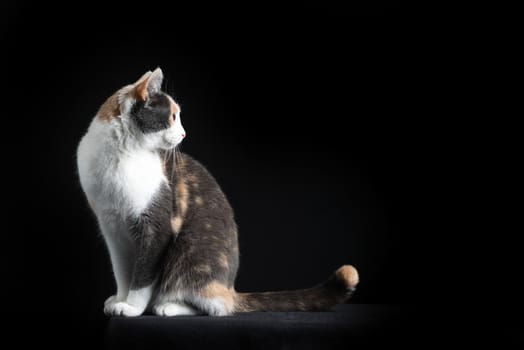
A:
[169,228]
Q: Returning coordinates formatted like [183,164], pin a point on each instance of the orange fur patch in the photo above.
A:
[347,274]
[174,110]
[216,289]
[173,105]
[141,87]
[109,109]
[176,224]
[181,198]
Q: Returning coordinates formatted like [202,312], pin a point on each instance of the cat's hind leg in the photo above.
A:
[215,299]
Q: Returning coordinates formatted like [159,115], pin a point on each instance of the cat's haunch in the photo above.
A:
[169,228]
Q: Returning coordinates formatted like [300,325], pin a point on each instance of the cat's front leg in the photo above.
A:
[122,253]
[151,241]
[135,304]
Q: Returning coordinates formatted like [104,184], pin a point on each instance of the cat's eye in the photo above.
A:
[174,116]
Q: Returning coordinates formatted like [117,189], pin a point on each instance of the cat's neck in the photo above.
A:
[117,139]
[118,176]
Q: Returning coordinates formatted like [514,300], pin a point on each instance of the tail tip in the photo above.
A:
[348,275]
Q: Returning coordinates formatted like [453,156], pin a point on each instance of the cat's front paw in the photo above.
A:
[110,301]
[109,304]
[121,308]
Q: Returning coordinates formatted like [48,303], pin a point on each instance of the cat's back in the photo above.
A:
[203,192]
[194,172]
[90,158]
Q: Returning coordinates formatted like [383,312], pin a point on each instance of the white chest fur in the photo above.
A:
[117,180]
[137,179]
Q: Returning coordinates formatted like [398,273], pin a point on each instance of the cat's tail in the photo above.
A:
[335,290]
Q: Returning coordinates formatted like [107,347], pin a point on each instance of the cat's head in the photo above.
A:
[145,114]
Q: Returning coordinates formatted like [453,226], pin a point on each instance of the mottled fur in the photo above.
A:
[207,233]
[170,230]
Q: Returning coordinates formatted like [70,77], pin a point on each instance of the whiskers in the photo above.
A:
[173,162]
[177,160]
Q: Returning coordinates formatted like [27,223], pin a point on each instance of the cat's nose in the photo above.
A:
[183,135]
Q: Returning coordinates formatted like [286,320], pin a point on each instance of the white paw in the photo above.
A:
[109,305]
[109,301]
[121,308]
[173,309]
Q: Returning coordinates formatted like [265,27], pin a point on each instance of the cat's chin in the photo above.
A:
[168,147]
[168,144]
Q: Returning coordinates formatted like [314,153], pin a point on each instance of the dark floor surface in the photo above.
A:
[346,327]
[351,326]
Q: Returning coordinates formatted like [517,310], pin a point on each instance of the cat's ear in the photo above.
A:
[143,78]
[149,84]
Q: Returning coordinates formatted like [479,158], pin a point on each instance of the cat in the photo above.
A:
[169,229]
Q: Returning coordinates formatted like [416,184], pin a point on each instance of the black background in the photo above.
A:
[307,115]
